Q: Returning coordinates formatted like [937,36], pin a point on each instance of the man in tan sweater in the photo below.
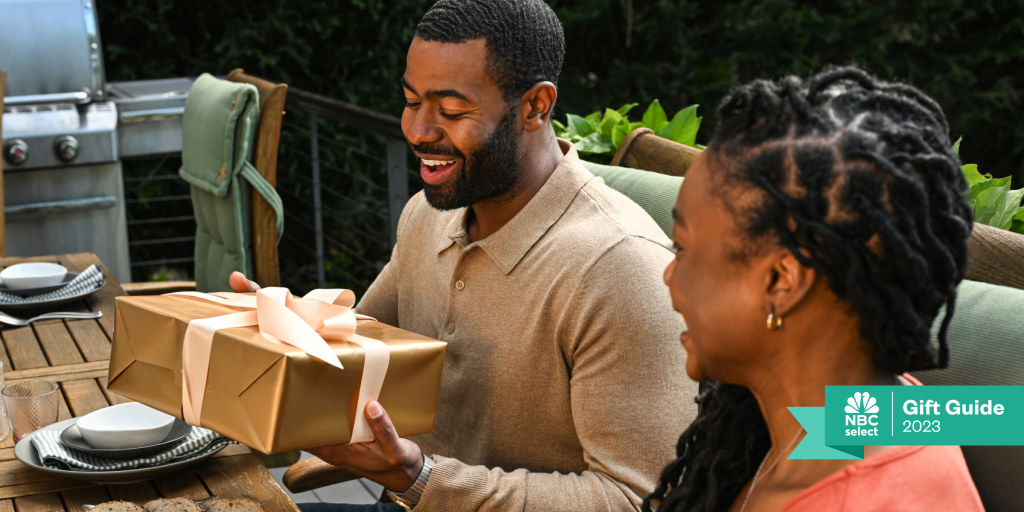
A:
[563,386]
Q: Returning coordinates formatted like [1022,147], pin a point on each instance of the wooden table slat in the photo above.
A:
[57,343]
[182,484]
[245,477]
[84,396]
[93,369]
[92,340]
[63,410]
[18,480]
[48,501]
[23,349]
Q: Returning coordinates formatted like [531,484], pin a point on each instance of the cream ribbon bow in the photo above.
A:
[283,318]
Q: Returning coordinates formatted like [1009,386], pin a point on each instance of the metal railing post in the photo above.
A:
[398,181]
[318,223]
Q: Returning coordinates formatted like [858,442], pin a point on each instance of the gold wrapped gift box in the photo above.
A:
[269,396]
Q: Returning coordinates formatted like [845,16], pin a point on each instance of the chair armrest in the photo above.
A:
[313,473]
[158,287]
[996,256]
[643,149]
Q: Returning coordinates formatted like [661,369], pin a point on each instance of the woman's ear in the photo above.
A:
[537,105]
[787,282]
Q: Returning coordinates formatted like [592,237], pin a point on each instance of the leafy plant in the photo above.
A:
[598,135]
[992,199]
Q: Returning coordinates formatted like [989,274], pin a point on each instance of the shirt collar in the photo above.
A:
[507,246]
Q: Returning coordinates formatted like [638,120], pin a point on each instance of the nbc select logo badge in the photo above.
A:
[861,415]
[857,416]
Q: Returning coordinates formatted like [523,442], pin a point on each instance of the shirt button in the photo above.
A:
[460,284]
[450,328]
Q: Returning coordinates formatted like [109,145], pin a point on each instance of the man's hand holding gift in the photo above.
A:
[389,460]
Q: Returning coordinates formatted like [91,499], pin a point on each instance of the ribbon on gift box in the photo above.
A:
[305,323]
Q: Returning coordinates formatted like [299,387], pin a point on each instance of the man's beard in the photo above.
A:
[489,172]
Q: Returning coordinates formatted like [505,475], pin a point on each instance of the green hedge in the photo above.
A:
[968,55]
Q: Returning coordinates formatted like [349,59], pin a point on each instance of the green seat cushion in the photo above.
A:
[655,193]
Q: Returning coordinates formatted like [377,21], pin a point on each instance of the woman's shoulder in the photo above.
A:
[905,478]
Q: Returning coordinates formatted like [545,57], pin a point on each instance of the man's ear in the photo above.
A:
[787,282]
[537,105]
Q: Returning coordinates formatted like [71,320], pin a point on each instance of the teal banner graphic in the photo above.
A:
[859,416]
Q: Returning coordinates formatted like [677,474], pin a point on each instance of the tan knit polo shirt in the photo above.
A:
[564,385]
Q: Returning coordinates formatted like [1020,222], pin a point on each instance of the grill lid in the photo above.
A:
[51,51]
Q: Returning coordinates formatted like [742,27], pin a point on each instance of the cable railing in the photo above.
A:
[343,177]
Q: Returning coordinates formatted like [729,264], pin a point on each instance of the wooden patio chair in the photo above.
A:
[264,235]
[266,265]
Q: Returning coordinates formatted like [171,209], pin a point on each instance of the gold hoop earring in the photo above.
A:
[774,322]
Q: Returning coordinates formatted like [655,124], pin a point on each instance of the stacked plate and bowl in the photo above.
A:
[123,443]
[34,277]
[41,285]
[125,431]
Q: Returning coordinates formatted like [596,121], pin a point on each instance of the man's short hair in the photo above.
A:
[525,43]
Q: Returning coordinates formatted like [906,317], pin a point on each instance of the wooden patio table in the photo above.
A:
[75,354]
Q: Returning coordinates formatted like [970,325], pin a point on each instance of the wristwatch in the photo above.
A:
[412,495]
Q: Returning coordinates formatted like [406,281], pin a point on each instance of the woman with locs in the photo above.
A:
[818,237]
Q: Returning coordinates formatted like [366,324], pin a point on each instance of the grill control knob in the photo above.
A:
[66,148]
[16,152]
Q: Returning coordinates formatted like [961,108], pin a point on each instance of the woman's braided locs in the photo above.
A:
[857,178]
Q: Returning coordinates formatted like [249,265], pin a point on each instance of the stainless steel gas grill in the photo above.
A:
[66,131]
[63,189]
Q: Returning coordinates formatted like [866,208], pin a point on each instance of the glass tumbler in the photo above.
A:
[5,424]
[31,405]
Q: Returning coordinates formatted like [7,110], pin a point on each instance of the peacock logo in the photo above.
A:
[862,414]
[861,403]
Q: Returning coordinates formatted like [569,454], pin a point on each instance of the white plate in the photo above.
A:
[25,292]
[46,304]
[25,451]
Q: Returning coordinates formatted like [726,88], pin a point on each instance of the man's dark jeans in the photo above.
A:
[347,507]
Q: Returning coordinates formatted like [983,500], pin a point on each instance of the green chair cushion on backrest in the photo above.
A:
[655,193]
[986,337]
[986,343]
[218,128]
